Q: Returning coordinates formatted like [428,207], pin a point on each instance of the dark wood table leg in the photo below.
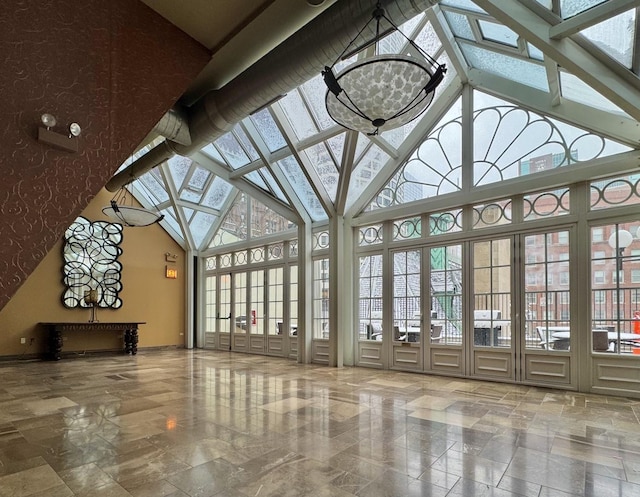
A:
[127,342]
[134,341]
[131,341]
[55,344]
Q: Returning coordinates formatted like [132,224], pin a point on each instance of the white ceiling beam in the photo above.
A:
[590,17]
[442,29]
[320,137]
[614,126]
[346,168]
[279,176]
[173,195]
[384,145]
[624,92]
[305,165]
[431,117]
[215,226]
[196,207]
[244,170]
[243,185]
[553,79]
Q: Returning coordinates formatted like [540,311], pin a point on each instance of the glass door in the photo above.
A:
[406,328]
[277,338]
[257,312]
[442,323]
[223,316]
[211,311]
[239,339]
[547,334]
[492,345]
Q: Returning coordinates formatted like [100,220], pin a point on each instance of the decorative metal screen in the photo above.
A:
[91,266]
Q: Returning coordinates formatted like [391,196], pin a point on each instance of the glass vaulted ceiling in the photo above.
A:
[290,159]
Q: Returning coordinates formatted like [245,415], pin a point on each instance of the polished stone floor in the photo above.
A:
[202,424]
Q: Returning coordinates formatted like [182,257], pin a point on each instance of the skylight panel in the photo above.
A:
[179,167]
[268,129]
[190,195]
[365,170]
[246,143]
[322,162]
[428,40]
[315,91]
[499,33]
[463,4]
[154,185]
[212,152]
[200,225]
[514,68]
[217,193]
[273,184]
[459,25]
[615,36]
[408,27]
[199,179]
[336,144]
[171,220]
[302,188]
[233,153]
[298,116]
[534,52]
[256,179]
[569,8]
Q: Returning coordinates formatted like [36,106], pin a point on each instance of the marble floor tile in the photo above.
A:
[202,423]
[29,481]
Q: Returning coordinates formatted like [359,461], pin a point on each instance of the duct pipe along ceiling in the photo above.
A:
[295,61]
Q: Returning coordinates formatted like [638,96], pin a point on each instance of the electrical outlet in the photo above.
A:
[23,340]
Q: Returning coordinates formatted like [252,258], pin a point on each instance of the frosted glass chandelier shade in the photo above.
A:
[131,216]
[121,210]
[381,93]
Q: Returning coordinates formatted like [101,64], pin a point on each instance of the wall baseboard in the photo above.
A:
[86,353]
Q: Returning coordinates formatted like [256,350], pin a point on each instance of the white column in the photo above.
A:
[305,292]
[190,300]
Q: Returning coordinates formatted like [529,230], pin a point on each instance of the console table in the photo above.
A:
[55,331]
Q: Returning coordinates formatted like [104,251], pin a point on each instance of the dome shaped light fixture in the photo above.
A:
[48,120]
[121,210]
[620,239]
[74,130]
[382,91]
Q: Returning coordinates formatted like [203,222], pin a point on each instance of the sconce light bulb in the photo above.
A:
[74,130]
[48,120]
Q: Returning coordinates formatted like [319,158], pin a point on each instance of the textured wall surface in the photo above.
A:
[112,66]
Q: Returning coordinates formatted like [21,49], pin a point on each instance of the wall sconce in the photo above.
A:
[64,141]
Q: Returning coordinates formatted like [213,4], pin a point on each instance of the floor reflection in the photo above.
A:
[201,423]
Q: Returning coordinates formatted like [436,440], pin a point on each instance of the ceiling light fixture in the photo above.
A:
[122,210]
[382,91]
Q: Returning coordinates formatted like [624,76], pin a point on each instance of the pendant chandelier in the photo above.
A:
[122,210]
[382,91]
